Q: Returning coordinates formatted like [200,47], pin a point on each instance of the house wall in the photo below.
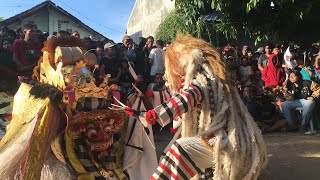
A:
[146,16]
[40,19]
[59,21]
[52,20]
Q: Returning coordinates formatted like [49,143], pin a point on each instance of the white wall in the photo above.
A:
[40,19]
[49,21]
[60,21]
[146,16]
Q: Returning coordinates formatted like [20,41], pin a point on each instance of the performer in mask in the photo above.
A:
[219,138]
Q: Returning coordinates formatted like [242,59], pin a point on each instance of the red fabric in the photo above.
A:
[129,111]
[20,48]
[174,176]
[273,74]
[151,117]
[136,81]
[7,117]
[175,106]
[185,166]
[149,93]
[173,130]
[117,95]
[197,92]
[188,97]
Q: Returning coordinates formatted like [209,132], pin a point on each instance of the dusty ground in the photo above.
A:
[291,156]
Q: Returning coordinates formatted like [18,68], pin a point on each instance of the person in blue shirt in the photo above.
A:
[306,71]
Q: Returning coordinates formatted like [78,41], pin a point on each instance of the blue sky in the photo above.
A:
[108,17]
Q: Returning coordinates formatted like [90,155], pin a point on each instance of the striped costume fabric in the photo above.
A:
[85,159]
[178,104]
[176,165]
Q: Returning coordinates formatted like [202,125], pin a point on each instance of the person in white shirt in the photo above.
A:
[156,59]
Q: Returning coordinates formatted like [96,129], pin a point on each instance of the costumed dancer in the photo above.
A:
[217,132]
[61,126]
[140,158]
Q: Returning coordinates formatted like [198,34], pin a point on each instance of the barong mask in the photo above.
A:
[96,128]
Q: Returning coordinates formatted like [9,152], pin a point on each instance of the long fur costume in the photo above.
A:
[245,154]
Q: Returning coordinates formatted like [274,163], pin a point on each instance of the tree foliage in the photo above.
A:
[1,19]
[174,23]
[276,20]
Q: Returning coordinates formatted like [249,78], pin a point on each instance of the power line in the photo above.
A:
[90,18]
[17,6]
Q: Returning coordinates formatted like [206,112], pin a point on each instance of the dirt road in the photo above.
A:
[291,156]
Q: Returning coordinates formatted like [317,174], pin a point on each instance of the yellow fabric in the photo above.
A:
[25,109]
[76,164]
[5,98]
[119,161]
[39,144]
[204,142]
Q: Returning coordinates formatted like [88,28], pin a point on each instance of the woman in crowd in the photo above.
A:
[273,74]
[300,93]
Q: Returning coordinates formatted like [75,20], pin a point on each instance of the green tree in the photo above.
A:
[261,20]
[1,19]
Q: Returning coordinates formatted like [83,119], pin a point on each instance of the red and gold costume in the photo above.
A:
[61,127]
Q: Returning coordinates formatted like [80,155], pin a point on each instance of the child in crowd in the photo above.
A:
[157,92]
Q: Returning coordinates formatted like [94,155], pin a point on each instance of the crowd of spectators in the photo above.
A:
[275,81]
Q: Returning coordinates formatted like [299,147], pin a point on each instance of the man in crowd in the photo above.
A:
[130,54]
[63,33]
[109,61]
[76,34]
[264,58]
[146,49]
[244,52]
[27,51]
[156,59]
[3,33]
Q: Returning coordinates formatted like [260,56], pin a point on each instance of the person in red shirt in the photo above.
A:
[273,74]
[27,51]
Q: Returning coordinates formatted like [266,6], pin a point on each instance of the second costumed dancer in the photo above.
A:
[218,135]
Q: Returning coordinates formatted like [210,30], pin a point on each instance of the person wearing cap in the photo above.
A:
[109,61]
